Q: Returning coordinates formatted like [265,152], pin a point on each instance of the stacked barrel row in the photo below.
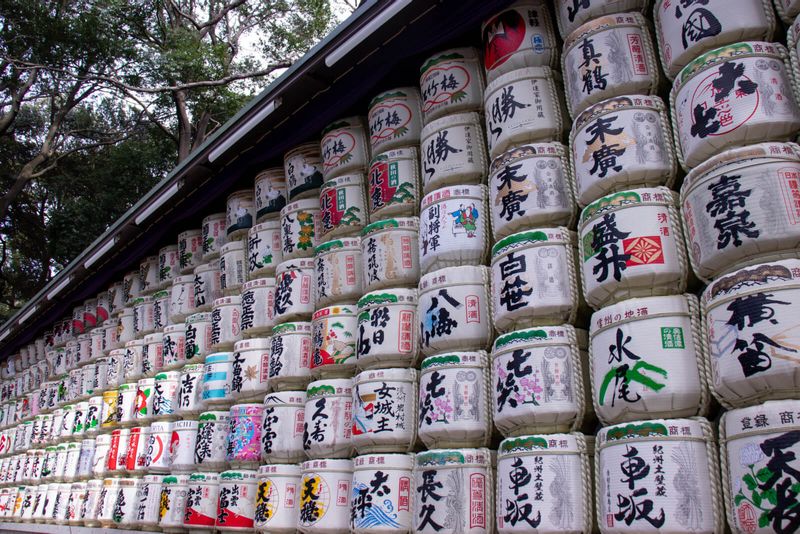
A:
[443,226]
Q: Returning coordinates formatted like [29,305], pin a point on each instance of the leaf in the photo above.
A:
[764,474]
[763,520]
[757,498]
[772,496]
[739,498]
[750,482]
[796,488]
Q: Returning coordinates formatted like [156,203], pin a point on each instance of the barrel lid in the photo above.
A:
[183,279]
[517,75]
[204,477]
[773,275]
[160,426]
[765,418]
[198,318]
[352,179]
[477,358]
[474,191]
[187,234]
[457,55]
[304,204]
[533,337]
[145,381]
[399,223]
[122,387]
[237,244]
[453,457]
[615,104]
[642,308]
[294,265]
[602,23]
[329,387]
[383,461]
[238,474]
[243,193]
[527,151]
[255,343]
[626,199]
[178,327]
[327,465]
[451,120]
[231,300]
[192,368]
[272,224]
[212,265]
[168,375]
[291,328]
[259,282]
[402,374]
[462,274]
[138,342]
[272,173]
[343,124]
[144,299]
[338,310]
[337,244]
[387,297]
[155,337]
[291,470]
[218,357]
[292,398]
[687,429]
[533,237]
[214,217]
[399,93]
[185,424]
[565,443]
[409,152]
[213,415]
[175,479]
[310,148]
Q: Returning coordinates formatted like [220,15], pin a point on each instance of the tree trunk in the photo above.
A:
[184,125]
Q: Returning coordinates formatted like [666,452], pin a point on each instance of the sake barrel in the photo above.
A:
[244,435]
[325,504]
[114,367]
[282,430]
[303,168]
[102,449]
[153,354]
[264,249]
[381,493]
[215,387]
[454,227]
[148,275]
[131,364]
[236,505]
[732,96]
[277,506]
[390,253]
[172,503]
[534,279]
[250,369]
[648,359]
[607,57]
[294,290]
[530,186]
[131,288]
[181,298]
[93,414]
[207,285]
[338,271]
[201,501]
[226,316]
[342,205]
[290,356]
[327,427]
[791,43]
[189,393]
[174,343]
[741,207]
[77,326]
[544,480]
[147,501]
[183,443]
[453,491]
[620,143]
[344,147]
[685,32]
[787,10]
[143,315]
[520,36]
[538,380]
[143,400]
[190,249]
[631,246]
[197,340]
[387,329]
[571,14]
[168,265]
[258,306]
[126,401]
[112,332]
[270,193]
[159,459]
[395,119]
[453,151]
[451,82]
[658,475]
[759,446]
[334,341]
[749,322]
[105,502]
[385,410]
[213,234]
[166,395]
[232,267]
[125,506]
[212,440]
[393,189]
[454,406]
[454,309]
[240,211]
[108,417]
[524,106]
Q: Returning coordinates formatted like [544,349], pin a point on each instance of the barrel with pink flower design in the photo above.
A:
[244,435]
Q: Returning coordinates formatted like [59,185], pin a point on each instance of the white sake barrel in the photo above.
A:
[749,320]
[732,96]
[172,353]
[454,405]
[264,249]
[520,36]
[126,402]
[759,447]
[342,204]
[282,430]
[102,313]
[290,356]
[303,168]
[620,143]
[530,186]
[393,187]
[226,316]
[454,309]
[131,287]
[387,329]
[538,380]
[327,426]
[77,326]
[544,483]
[113,367]
[89,314]
[270,193]
[453,491]
[232,267]
[215,387]
[685,32]
[190,250]
[172,503]
[147,501]
[390,253]
[181,299]
[787,10]
[153,353]
[451,82]
[250,369]
[338,269]
[105,502]
[201,501]
[453,151]
[534,280]
[159,459]
[295,290]
[658,475]
[385,410]
[131,366]
[258,306]
[381,493]
[344,147]
[607,57]
[631,245]
[395,119]
[102,450]
[212,440]
[243,447]
[571,14]
[647,359]
[197,340]
[454,227]
[148,275]
[277,498]
[168,265]
[143,402]
[93,413]
[334,331]
[111,334]
[523,106]
[126,503]
[183,443]
[742,207]
[207,285]
[213,236]
[189,392]
[236,505]
[300,223]
[143,315]
[239,214]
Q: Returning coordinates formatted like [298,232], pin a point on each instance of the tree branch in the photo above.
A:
[16,101]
